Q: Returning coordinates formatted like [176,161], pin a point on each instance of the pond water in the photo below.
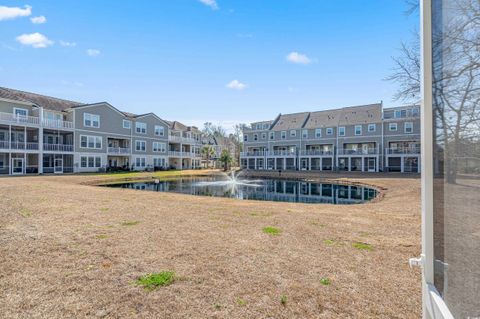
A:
[259,189]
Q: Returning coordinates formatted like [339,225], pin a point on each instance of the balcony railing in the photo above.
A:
[57,147]
[253,153]
[360,151]
[19,119]
[175,153]
[118,150]
[57,124]
[403,150]
[181,139]
[23,146]
[282,153]
[316,152]
[184,154]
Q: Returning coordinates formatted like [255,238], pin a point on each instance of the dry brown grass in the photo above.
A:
[65,253]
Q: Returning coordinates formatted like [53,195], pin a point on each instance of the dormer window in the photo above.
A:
[293,133]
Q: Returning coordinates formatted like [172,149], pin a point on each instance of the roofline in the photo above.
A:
[99,103]
[19,102]
[155,115]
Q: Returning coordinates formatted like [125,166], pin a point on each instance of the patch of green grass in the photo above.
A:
[130,223]
[217,306]
[153,281]
[272,231]
[104,209]
[325,281]
[101,236]
[283,300]
[317,224]
[329,242]
[241,302]
[362,246]
[25,212]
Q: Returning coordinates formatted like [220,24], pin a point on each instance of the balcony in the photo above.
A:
[18,119]
[183,140]
[27,146]
[57,124]
[119,150]
[282,153]
[253,153]
[57,148]
[403,151]
[360,151]
[316,153]
[175,154]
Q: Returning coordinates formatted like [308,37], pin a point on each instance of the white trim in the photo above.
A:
[99,104]
[137,126]
[136,144]
[95,142]
[405,127]
[390,127]
[355,130]
[344,131]
[124,135]
[21,109]
[91,120]
[129,124]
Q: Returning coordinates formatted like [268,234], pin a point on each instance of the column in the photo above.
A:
[255,164]
[402,164]
[363,163]
[309,159]
[284,163]
[40,143]
[349,164]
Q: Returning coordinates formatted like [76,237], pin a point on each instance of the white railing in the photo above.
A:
[19,119]
[359,151]
[403,150]
[283,153]
[253,153]
[23,146]
[316,152]
[176,154]
[4,145]
[58,124]
[181,139]
[57,147]
[118,150]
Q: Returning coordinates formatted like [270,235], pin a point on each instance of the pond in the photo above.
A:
[259,189]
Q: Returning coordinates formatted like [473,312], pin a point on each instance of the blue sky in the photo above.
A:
[224,61]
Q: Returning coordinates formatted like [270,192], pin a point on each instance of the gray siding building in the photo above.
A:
[358,138]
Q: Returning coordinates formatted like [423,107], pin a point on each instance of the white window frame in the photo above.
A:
[159,147]
[255,137]
[91,119]
[405,127]
[264,136]
[127,124]
[141,128]
[340,130]
[293,133]
[358,130]
[159,130]
[271,136]
[245,137]
[140,142]
[304,133]
[329,130]
[283,135]
[89,139]
[370,127]
[15,109]
[318,133]
[142,161]
[391,127]
[87,159]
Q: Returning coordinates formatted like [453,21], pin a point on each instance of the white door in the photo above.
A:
[17,166]
[365,148]
[371,164]
[58,166]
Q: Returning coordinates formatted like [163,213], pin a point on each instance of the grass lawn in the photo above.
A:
[70,250]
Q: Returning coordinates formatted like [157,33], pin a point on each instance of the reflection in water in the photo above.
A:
[265,189]
[456,106]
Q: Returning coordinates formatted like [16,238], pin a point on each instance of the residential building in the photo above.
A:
[363,138]
[42,134]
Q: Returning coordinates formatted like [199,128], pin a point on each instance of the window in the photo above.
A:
[304,133]
[52,116]
[283,135]
[318,132]
[140,162]
[159,162]
[245,138]
[372,127]
[141,128]
[392,127]
[255,137]
[293,133]
[159,130]
[358,130]
[2,136]
[20,112]
[127,124]
[91,120]
[259,126]
[90,162]
[87,141]
[159,147]
[329,131]
[341,131]
[264,136]
[140,146]
[408,127]
[272,135]
[265,126]
[415,111]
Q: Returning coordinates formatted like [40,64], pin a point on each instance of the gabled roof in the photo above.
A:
[319,119]
[290,121]
[39,100]
[362,114]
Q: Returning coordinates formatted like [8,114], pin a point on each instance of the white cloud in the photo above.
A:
[36,40]
[8,13]
[93,52]
[298,58]
[236,85]
[211,3]
[67,44]
[38,20]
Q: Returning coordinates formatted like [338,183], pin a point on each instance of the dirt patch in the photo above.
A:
[70,256]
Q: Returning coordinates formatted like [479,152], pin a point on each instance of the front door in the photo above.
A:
[17,166]
[371,164]
[58,166]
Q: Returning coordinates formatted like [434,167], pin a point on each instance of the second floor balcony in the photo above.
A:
[11,118]
[119,150]
[57,124]
[403,151]
[26,146]
[358,151]
[62,148]
[182,139]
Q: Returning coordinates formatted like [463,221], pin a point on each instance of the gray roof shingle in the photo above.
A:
[47,102]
